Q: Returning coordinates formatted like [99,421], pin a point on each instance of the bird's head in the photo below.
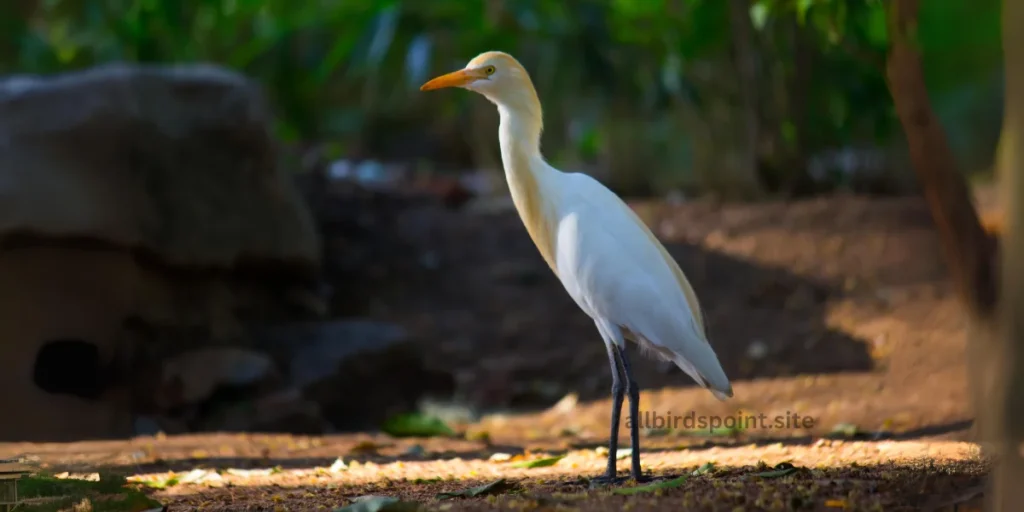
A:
[496,75]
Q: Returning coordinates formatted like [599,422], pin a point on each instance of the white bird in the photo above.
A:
[606,257]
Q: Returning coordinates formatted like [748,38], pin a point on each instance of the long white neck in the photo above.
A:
[519,135]
[528,175]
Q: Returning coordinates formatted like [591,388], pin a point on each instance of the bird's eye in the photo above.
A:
[489,70]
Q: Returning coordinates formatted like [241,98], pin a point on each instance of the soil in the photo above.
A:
[824,312]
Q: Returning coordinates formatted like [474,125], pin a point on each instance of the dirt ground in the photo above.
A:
[836,310]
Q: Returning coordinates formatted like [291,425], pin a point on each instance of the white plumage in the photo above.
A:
[617,273]
[606,257]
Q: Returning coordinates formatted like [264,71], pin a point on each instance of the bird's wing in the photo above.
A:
[617,271]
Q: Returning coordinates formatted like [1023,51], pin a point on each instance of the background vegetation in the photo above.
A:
[740,97]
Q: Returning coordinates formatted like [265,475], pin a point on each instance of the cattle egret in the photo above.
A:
[605,256]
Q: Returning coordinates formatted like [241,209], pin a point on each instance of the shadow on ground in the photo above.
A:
[492,313]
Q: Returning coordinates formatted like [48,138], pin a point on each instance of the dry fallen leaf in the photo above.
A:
[498,486]
[538,463]
[365,447]
[667,484]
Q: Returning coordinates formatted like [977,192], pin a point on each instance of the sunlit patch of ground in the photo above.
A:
[855,475]
[224,472]
[823,454]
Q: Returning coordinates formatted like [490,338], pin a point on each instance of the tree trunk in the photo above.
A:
[969,250]
[745,175]
[996,344]
[803,61]
[1005,409]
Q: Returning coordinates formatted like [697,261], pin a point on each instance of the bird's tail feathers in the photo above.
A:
[711,376]
[692,354]
[720,394]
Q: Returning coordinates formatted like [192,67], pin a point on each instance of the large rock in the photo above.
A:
[177,161]
[118,186]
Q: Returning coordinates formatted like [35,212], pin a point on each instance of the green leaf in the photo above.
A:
[162,484]
[837,29]
[498,486]
[845,430]
[340,50]
[788,130]
[781,469]
[657,486]
[538,463]
[877,26]
[759,14]
[416,425]
[960,56]
[802,6]
[704,469]
[852,431]
[379,504]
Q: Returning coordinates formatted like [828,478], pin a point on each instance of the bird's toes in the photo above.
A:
[605,480]
[641,479]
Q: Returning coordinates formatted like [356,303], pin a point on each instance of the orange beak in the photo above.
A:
[458,78]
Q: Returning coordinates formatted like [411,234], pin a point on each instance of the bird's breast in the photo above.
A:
[603,261]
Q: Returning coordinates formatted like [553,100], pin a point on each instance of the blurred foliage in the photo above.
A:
[110,493]
[416,425]
[642,93]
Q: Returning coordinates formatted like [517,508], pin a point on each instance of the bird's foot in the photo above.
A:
[641,479]
[606,480]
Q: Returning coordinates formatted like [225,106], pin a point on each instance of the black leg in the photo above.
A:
[618,394]
[634,413]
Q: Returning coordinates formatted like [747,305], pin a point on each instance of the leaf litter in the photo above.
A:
[652,487]
[379,504]
[781,469]
[498,486]
[706,468]
[537,463]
